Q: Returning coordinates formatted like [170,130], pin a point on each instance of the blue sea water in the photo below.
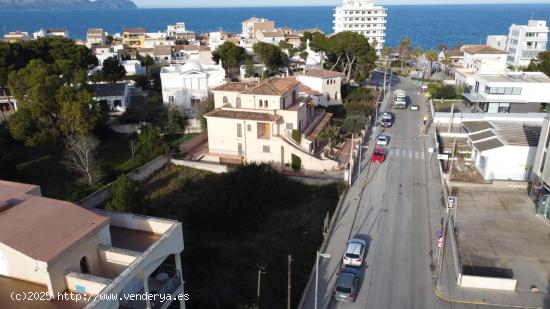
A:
[426,25]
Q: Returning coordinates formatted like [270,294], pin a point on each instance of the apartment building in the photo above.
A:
[540,186]
[179,32]
[525,42]
[16,36]
[95,37]
[363,17]
[270,122]
[497,41]
[510,92]
[254,24]
[134,38]
[53,247]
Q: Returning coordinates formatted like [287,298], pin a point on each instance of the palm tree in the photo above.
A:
[431,55]
[447,62]
[404,50]
[329,134]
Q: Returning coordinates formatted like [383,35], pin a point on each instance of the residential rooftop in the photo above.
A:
[517,77]
[240,114]
[483,49]
[275,86]
[321,73]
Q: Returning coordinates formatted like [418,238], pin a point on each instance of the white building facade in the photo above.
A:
[525,42]
[363,17]
[185,86]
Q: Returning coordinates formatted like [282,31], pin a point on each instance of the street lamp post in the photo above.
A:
[260,273]
[323,255]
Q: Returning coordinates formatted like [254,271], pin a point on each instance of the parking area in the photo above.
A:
[499,235]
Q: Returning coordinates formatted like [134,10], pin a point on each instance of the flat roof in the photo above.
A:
[535,77]
[42,228]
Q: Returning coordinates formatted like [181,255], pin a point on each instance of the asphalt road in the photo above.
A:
[393,206]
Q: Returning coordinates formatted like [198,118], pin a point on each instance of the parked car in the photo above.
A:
[354,252]
[414,107]
[383,140]
[387,120]
[378,155]
[346,285]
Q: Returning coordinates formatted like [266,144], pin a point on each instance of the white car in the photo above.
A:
[414,107]
[383,140]
[355,252]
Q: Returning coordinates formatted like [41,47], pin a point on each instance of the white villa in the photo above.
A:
[253,24]
[50,246]
[186,85]
[363,17]
[479,59]
[512,92]
[268,122]
[325,85]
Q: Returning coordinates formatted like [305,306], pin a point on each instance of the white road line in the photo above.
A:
[416,155]
[422,155]
[410,154]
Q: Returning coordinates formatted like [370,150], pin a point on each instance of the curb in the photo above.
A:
[323,245]
[476,302]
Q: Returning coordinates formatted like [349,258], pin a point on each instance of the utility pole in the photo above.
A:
[385,71]
[260,273]
[289,287]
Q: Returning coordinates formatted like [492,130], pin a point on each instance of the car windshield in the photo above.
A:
[342,289]
[352,255]
[381,138]
[378,153]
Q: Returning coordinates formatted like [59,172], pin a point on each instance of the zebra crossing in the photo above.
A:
[406,153]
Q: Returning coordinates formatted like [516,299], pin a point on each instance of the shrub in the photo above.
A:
[446,92]
[296,163]
[126,195]
[296,136]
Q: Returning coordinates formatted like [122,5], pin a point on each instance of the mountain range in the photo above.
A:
[66,4]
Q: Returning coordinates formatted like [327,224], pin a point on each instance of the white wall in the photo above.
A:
[509,162]
[530,91]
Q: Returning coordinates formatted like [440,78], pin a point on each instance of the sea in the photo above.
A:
[426,25]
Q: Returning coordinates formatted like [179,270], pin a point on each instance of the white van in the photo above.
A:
[399,99]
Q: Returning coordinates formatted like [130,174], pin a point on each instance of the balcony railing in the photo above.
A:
[165,287]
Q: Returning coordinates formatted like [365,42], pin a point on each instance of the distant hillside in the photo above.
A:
[66,4]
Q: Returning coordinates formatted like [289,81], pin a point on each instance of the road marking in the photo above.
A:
[410,154]
[422,155]
[416,155]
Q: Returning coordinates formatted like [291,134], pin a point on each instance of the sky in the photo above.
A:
[255,3]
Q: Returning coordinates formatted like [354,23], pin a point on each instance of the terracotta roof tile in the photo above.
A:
[483,49]
[320,126]
[234,87]
[273,86]
[239,114]
[322,73]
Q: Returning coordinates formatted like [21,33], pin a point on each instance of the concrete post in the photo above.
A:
[179,270]
[146,289]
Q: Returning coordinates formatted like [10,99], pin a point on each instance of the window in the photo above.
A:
[84,265]
[224,100]
[289,126]
[328,97]
[248,127]
[265,148]
[265,102]
[261,103]
[284,100]
[238,102]
[239,130]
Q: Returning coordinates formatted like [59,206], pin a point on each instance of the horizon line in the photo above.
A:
[316,5]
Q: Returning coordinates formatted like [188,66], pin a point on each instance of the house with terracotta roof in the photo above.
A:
[57,248]
[326,82]
[480,58]
[270,37]
[271,121]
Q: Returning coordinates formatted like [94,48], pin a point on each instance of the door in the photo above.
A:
[240,149]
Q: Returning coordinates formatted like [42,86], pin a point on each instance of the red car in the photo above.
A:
[378,155]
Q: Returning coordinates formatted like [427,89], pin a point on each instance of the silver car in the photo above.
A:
[383,140]
[354,252]
[346,285]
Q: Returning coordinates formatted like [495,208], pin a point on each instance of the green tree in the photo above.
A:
[351,54]
[126,195]
[295,163]
[329,134]
[249,67]
[78,111]
[541,64]
[112,70]
[150,144]
[175,122]
[231,56]
[205,108]
[354,123]
[271,56]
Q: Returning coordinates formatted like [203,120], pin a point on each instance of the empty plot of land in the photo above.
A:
[499,235]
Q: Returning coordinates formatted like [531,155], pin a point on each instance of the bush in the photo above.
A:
[296,136]
[296,163]
[126,195]
[446,92]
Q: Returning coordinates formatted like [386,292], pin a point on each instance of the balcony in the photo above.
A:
[164,281]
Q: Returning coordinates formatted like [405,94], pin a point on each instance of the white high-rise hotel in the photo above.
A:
[362,16]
